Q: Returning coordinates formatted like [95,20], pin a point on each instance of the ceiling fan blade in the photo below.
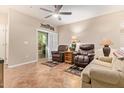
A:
[65,13]
[48,16]
[58,8]
[46,10]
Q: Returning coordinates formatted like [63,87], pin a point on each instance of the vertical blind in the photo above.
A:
[2,40]
[52,43]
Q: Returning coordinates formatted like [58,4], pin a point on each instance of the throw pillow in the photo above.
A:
[119,54]
[105,59]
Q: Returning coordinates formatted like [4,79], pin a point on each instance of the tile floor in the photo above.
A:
[36,75]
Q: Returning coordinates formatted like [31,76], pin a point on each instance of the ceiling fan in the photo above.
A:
[56,12]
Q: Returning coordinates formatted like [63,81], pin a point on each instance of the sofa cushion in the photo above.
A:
[85,75]
[118,65]
[121,83]
[105,75]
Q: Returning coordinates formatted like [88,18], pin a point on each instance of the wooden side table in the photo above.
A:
[68,56]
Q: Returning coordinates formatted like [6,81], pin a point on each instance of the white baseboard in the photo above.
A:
[16,65]
[5,63]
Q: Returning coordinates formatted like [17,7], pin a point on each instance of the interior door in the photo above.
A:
[52,43]
[2,41]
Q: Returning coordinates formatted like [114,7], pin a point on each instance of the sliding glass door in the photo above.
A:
[42,44]
[47,42]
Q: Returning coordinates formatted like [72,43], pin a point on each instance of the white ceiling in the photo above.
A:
[79,12]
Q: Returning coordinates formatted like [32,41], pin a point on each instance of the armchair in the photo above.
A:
[84,55]
[59,55]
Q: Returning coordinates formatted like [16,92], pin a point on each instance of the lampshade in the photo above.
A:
[74,39]
[106,42]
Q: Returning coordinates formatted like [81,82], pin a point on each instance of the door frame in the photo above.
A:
[41,30]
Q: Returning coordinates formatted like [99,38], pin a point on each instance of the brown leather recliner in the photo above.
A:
[84,55]
[59,55]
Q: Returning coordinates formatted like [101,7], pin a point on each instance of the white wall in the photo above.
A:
[3,18]
[22,38]
[94,30]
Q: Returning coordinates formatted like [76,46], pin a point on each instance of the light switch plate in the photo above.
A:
[26,42]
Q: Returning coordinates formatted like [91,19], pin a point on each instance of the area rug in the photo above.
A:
[51,63]
[74,70]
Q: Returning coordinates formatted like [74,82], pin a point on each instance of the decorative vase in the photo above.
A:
[106,50]
[73,46]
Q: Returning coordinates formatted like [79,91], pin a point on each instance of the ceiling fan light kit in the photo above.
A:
[56,15]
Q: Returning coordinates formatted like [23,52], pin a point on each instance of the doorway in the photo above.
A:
[47,41]
[42,45]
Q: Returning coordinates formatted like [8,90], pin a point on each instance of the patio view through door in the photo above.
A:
[47,42]
[42,45]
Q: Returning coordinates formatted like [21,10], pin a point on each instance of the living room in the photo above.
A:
[83,43]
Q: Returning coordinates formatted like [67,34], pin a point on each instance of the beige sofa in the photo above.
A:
[104,74]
